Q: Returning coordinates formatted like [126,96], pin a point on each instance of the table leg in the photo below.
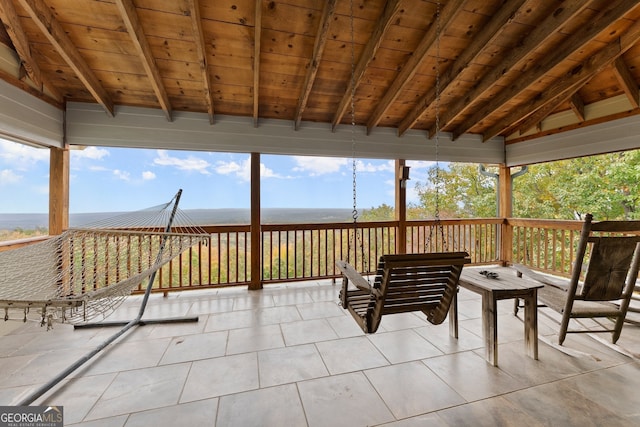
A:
[490,328]
[531,324]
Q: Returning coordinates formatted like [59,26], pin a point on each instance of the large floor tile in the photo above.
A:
[307,331]
[200,413]
[346,400]
[123,356]
[596,386]
[403,346]
[290,364]
[558,404]
[77,396]
[399,321]
[141,389]
[350,354]
[345,326]
[319,310]
[254,339]
[439,336]
[471,376]
[492,412]
[268,407]
[222,375]
[196,347]
[411,389]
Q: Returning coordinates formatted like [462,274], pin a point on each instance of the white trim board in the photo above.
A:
[88,124]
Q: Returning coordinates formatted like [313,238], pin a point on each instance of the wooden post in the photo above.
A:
[401,208]
[506,211]
[256,232]
[58,190]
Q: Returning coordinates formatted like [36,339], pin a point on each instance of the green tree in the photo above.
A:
[462,192]
[383,212]
[606,186]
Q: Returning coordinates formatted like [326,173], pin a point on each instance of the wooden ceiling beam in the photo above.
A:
[391,9]
[312,69]
[572,44]
[198,36]
[489,32]
[526,116]
[513,58]
[130,17]
[447,14]
[11,22]
[627,81]
[577,106]
[53,31]
[18,37]
[257,37]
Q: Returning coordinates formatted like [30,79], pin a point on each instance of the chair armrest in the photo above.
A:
[548,281]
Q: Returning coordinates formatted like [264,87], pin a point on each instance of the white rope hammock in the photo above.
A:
[87,272]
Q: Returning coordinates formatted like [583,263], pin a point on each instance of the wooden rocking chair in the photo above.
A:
[403,283]
[611,260]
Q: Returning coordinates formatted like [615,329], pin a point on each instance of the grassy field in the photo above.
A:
[19,233]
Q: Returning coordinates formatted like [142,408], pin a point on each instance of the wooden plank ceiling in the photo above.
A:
[489,67]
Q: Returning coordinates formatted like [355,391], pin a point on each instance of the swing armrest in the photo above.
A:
[351,274]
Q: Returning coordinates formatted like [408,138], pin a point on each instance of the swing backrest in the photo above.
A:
[419,282]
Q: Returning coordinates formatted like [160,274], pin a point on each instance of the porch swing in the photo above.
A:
[425,282]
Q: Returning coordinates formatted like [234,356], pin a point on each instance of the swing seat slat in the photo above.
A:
[403,283]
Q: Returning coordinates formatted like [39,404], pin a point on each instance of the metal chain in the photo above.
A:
[438,177]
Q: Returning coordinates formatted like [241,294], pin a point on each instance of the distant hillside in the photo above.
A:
[30,221]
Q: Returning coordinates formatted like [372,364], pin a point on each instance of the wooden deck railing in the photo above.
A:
[295,252]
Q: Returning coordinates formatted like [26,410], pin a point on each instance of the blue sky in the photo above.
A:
[116,179]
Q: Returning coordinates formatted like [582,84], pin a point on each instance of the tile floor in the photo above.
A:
[290,356]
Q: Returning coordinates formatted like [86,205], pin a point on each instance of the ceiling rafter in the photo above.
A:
[312,69]
[130,17]
[448,12]
[198,34]
[570,45]
[512,59]
[53,31]
[20,41]
[489,32]
[257,37]
[561,90]
[391,9]
[627,81]
[577,105]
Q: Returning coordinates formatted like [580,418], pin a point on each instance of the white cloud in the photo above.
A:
[148,175]
[123,175]
[419,164]
[7,176]
[319,165]
[21,156]
[191,163]
[93,153]
[370,167]
[243,170]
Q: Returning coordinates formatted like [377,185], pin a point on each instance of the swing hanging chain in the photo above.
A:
[438,178]
[358,240]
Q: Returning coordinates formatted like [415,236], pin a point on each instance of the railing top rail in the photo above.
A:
[564,224]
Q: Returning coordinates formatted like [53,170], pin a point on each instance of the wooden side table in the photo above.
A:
[506,286]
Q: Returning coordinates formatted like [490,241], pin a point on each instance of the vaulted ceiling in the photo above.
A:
[507,68]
